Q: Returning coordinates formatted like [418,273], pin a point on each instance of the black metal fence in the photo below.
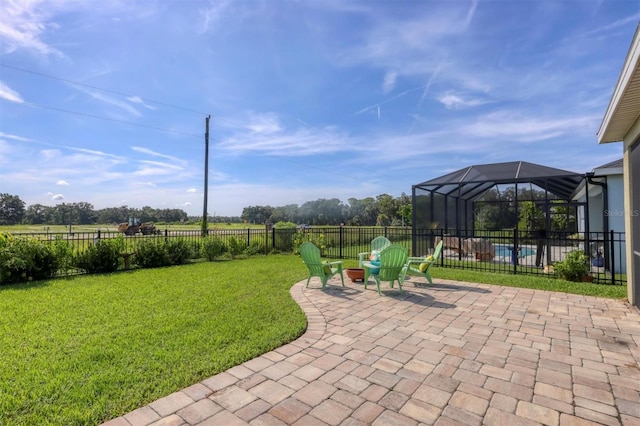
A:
[504,251]
[517,252]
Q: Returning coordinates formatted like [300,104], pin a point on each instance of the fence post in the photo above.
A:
[514,254]
[442,251]
[612,252]
[341,240]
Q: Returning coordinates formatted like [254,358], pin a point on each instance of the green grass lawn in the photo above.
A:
[532,281]
[86,349]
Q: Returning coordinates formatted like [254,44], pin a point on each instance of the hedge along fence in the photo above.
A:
[26,257]
[35,256]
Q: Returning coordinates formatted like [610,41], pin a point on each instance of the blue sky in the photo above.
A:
[105,102]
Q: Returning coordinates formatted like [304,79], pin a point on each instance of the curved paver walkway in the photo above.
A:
[447,354]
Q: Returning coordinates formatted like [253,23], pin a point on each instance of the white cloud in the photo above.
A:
[14,137]
[97,153]
[111,101]
[148,151]
[23,25]
[615,25]
[389,81]
[161,164]
[192,190]
[212,14]
[518,127]
[452,101]
[299,142]
[49,154]
[264,123]
[9,94]
[140,101]
[62,183]
[58,197]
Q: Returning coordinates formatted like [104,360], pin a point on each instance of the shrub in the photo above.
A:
[178,251]
[26,259]
[256,247]
[101,257]
[284,237]
[152,253]
[318,240]
[574,266]
[236,246]
[212,247]
[64,252]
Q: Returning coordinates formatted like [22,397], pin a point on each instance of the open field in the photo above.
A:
[114,227]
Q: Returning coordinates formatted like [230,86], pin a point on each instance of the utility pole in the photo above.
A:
[206,176]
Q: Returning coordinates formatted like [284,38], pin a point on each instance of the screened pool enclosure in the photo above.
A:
[517,213]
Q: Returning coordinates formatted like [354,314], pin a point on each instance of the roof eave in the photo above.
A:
[616,123]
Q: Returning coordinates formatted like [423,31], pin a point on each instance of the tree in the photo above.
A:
[531,217]
[287,213]
[257,214]
[83,213]
[37,214]
[113,214]
[405,209]
[11,209]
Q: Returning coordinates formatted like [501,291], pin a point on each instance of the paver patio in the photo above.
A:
[450,353]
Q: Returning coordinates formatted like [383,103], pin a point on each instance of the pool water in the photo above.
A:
[503,250]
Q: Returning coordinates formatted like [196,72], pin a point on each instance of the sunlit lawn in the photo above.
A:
[86,349]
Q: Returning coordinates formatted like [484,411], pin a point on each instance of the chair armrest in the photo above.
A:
[411,260]
[362,257]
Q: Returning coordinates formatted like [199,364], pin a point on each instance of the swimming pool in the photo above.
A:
[504,250]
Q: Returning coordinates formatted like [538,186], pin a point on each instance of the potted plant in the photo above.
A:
[574,267]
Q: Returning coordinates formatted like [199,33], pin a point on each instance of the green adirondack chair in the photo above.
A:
[393,260]
[317,268]
[377,244]
[421,266]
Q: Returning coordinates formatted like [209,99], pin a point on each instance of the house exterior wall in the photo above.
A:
[615,209]
[631,165]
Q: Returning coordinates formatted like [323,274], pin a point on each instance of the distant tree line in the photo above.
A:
[13,211]
[384,210]
[494,210]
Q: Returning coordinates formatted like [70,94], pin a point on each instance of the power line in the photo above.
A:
[115,120]
[115,92]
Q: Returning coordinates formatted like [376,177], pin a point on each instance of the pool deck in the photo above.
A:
[450,353]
